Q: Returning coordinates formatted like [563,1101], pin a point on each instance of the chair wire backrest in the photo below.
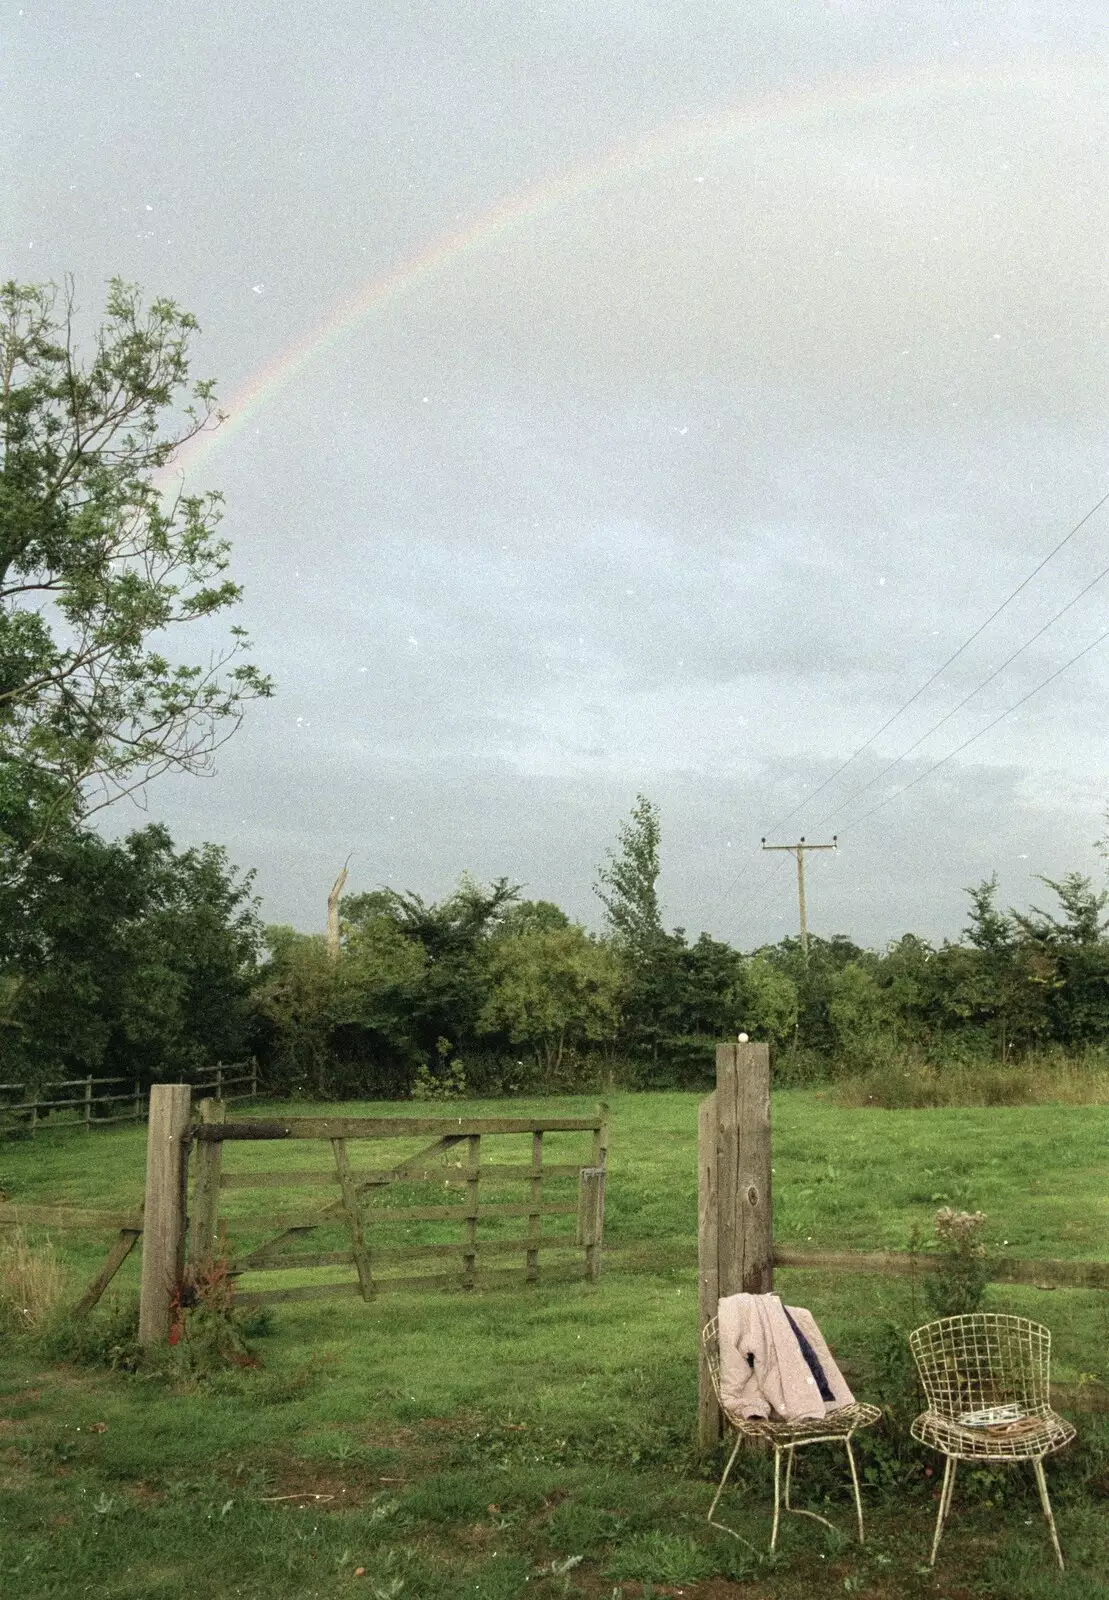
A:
[710,1343]
[976,1363]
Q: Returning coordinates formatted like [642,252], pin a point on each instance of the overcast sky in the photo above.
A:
[719,369]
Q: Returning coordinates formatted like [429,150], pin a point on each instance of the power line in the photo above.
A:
[764,897]
[942,669]
[858,821]
[762,891]
[896,762]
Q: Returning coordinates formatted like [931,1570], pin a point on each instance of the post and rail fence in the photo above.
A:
[735,1243]
[79,1102]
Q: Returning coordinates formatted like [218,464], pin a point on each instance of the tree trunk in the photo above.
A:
[333,913]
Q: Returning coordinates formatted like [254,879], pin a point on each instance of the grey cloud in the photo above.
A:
[720,455]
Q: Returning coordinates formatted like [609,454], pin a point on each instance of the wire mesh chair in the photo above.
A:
[835,1428]
[987,1381]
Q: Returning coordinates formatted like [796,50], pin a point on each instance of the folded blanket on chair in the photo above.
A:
[764,1369]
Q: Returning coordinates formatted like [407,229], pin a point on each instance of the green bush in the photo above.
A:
[957,1285]
[108,1337]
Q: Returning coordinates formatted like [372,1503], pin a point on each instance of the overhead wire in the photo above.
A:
[927,684]
[767,881]
[858,821]
[936,726]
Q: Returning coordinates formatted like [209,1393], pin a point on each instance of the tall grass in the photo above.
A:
[32,1282]
[906,1080]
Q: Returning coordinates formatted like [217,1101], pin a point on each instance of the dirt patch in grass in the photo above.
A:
[327,1487]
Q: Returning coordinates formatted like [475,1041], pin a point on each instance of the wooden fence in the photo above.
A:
[98,1102]
[736,1252]
[736,1249]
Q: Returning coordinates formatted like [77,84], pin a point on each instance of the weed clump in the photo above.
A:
[32,1284]
[108,1337]
[905,1079]
[957,1285]
[206,1330]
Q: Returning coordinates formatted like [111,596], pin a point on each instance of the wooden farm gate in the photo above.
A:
[374,1216]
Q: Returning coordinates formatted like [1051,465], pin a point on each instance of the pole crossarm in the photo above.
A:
[798,850]
[802,845]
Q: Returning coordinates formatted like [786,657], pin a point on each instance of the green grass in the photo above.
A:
[455,1445]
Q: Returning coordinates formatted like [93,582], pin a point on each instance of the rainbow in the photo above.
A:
[523,209]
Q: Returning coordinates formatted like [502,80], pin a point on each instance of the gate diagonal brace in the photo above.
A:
[339,1208]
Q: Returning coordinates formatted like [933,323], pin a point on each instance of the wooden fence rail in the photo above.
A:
[907,1264]
[28,1111]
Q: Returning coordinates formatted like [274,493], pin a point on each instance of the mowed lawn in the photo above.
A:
[539,1440]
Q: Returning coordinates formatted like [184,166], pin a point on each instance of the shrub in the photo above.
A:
[957,1285]
[109,1337]
[206,1331]
[445,1081]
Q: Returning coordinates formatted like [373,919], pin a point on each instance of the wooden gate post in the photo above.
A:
[591,1218]
[735,1245]
[204,1215]
[163,1243]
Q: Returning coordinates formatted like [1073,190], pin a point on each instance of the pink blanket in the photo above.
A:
[763,1372]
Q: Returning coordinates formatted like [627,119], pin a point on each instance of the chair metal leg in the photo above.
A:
[1041,1484]
[724,1479]
[855,1482]
[798,1511]
[783,1495]
[945,1503]
[777,1478]
[723,1526]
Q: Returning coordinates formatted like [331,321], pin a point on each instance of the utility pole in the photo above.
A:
[798,850]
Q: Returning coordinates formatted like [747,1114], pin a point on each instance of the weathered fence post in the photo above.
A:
[204,1213]
[163,1243]
[600,1136]
[591,1218]
[535,1217]
[591,1198]
[88,1102]
[735,1245]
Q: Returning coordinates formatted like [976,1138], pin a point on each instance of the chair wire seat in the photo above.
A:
[987,1382]
[784,1434]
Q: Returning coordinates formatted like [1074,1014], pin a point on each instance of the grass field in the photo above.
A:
[452,1444]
